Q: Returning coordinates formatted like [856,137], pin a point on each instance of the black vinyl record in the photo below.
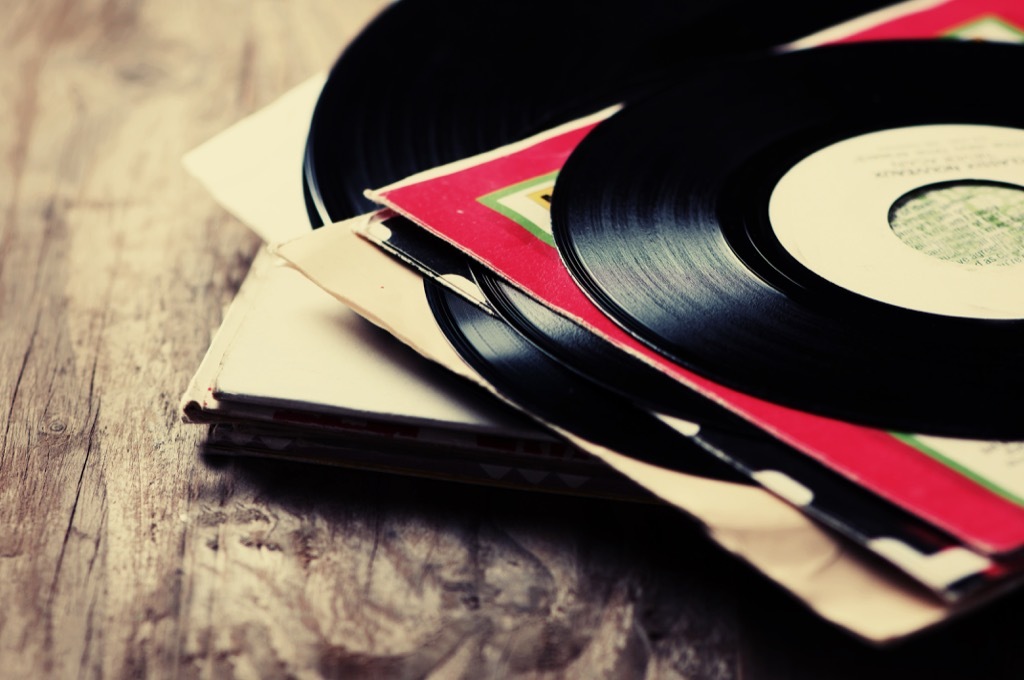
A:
[589,355]
[678,242]
[557,395]
[433,81]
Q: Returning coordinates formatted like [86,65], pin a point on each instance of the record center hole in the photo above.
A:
[970,222]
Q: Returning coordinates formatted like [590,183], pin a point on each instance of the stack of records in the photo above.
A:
[765,263]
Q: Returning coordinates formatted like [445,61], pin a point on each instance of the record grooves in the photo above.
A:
[678,245]
[592,357]
[560,396]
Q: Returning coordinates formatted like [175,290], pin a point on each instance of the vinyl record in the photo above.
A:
[730,235]
[559,396]
[433,81]
[592,357]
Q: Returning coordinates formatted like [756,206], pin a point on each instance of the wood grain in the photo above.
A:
[124,553]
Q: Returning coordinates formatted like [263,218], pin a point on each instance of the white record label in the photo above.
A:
[929,218]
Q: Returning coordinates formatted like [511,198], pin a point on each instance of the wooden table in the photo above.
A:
[124,553]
